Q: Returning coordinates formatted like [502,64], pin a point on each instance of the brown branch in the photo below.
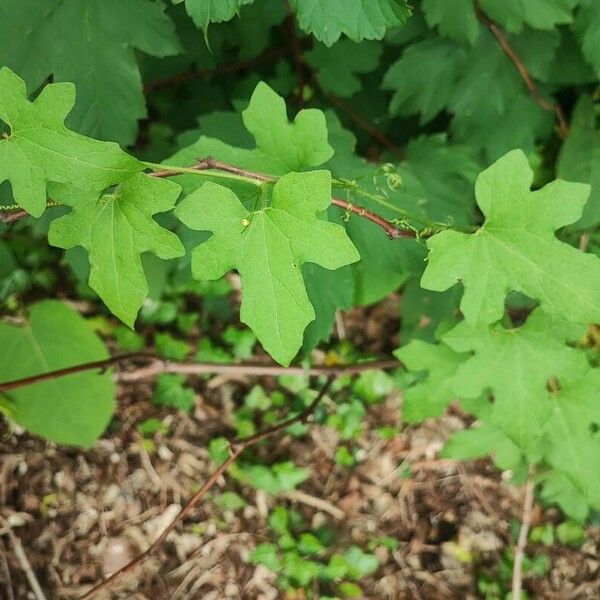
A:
[11,217]
[361,121]
[517,576]
[101,365]
[547,105]
[233,67]
[295,51]
[209,163]
[158,366]
[237,447]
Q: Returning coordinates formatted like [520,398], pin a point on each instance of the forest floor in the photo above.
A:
[79,515]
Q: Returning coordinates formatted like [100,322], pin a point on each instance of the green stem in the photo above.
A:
[203,172]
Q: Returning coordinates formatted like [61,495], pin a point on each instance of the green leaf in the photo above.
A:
[571,533]
[268,247]
[266,554]
[424,78]
[456,20]
[447,173]
[517,366]
[480,441]
[115,229]
[358,19]
[170,347]
[579,158]
[360,564]
[348,419]
[539,14]
[74,409]
[572,448]
[336,68]
[382,267]
[517,250]
[328,292]
[373,386]
[587,29]
[204,12]
[95,52]
[429,398]
[277,478]
[40,149]
[128,339]
[426,313]
[171,391]
[281,146]
[230,501]
[242,341]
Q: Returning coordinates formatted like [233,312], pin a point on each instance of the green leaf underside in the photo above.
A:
[516,249]
[268,248]
[516,366]
[572,449]
[96,53]
[204,12]
[115,229]
[430,397]
[40,149]
[360,20]
[74,409]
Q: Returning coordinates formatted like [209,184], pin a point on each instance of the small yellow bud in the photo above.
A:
[245,222]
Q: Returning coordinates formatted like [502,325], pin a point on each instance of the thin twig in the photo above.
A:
[236,449]
[101,365]
[209,163]
[361,121]
[6,570]
[295,51]
[517,576]
[547,105]
[314,502]
[158,366]
[23,560]
[233,67]
[10,217]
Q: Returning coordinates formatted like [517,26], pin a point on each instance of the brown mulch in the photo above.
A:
[79,515]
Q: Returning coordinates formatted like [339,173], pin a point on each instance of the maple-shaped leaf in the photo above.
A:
[481,441]
[516,249]
[456,20]
[360,20]
[204,12]
[268,247]
[39,148]
[336,68]
[425,77]
[281,146]
[96,52]
[587,29]
[430,397]
[573,447]
[579,158]
[516,365]
[116,228]
[513,15]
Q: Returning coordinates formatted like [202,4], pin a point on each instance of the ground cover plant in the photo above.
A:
[291,261]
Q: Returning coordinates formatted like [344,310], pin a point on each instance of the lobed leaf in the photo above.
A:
[40,150]
[268,247]
[516,249]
